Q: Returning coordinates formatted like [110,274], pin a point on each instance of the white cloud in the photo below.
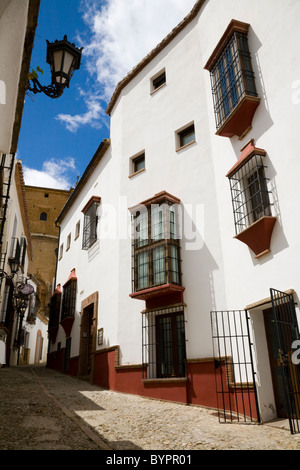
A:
[94,115]
[120,34]
[57,174]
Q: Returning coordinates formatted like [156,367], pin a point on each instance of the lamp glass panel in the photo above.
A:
[57,56]
[67,62]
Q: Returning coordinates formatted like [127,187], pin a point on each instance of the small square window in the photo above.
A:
[68,242]
[137,164]
[186,136]
[77,230]
[158,81]
[90,224]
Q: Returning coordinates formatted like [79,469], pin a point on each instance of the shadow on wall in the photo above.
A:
[198,267]
[263,111]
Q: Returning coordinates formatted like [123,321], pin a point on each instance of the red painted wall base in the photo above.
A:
[199,388]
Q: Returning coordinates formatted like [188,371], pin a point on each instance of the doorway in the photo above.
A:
[275,364]
[87,341]
[282,330]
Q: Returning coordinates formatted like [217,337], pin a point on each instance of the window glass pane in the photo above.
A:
[259,194]
[157,222]
[187,136]
[142,270]
[165,346]
[174,264]
[170,345]
[158,258]
[173,227]
[141,224]
[139,163]
[90,227]
[69,299]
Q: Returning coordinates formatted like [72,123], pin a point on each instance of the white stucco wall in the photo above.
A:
[13,22]
[219,272]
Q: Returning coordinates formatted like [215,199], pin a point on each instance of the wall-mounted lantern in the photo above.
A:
[63,58]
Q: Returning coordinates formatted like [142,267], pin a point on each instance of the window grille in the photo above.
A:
[249,193]
[54,308]
[69,299]
[164,343]
[90,226]
[232,77]
[155,247]
[6,304]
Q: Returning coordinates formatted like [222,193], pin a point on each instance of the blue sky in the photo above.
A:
[59,137]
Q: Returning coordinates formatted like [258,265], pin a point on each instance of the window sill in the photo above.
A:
[166,380]
[258,235]
[240,119]
[152,293]
[185,146]
[137,173]
[152,92]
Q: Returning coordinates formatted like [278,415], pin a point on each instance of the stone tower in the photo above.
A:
[44,206]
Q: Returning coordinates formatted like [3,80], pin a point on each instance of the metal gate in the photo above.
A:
[234,369]
[288,338]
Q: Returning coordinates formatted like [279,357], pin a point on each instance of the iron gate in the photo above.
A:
[234,369]
[284,313]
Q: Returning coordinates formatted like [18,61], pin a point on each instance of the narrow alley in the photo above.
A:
[41,409]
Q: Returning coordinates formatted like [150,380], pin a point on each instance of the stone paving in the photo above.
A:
[41,409]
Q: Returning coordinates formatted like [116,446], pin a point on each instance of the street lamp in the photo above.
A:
[14,265]
[21,300]
[63,58]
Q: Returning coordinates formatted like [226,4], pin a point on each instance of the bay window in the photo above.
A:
[156,246]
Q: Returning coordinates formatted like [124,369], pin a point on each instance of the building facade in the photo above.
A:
[182,232]
[18,21]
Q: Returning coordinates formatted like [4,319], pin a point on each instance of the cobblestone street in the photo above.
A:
[41,409]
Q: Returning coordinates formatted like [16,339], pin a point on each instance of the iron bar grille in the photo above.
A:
[155,247]
[232,77]
[6,301]
[287,333]
[249,193]
[234,370]
[54,310]
[69,299]
[164,343]
[89,235]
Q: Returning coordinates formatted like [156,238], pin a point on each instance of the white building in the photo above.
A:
[18,22]
[202,157]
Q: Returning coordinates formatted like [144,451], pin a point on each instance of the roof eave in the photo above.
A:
[144,62]
[99,154]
